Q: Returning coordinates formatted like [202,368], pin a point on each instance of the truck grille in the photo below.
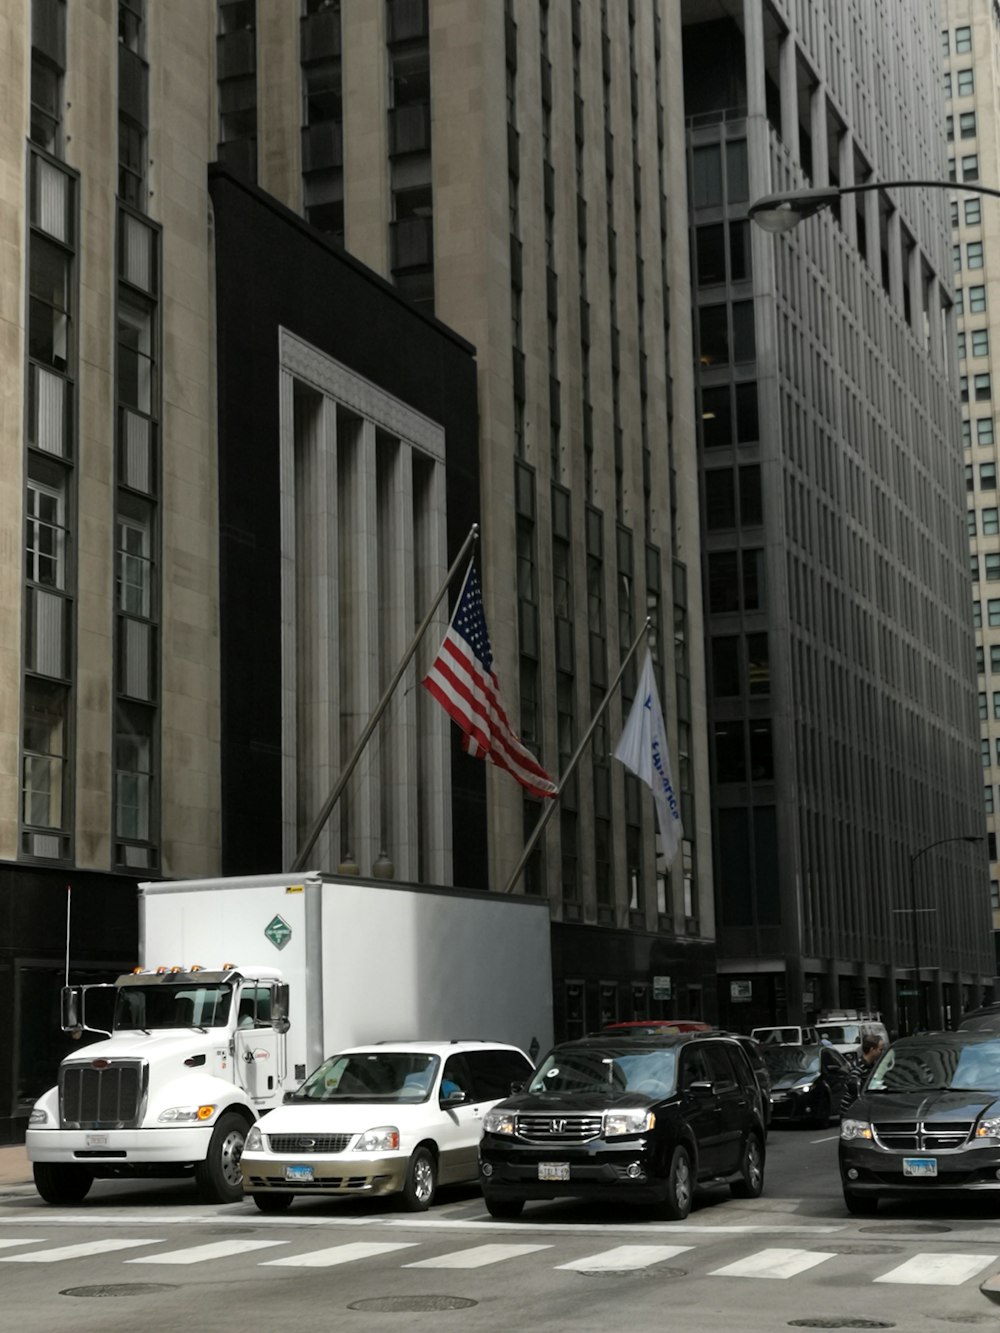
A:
[922,1136]
[304,1143]
[106,1097]
[560,1128]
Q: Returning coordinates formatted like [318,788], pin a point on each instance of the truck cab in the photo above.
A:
[193,1058]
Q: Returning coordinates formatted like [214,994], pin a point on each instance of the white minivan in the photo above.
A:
[392,1118]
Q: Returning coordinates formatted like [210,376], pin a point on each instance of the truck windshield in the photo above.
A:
[650,1073]
[371,1076]
[187,1006]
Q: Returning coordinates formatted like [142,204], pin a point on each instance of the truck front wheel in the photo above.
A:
[218,1176]
[61,1184]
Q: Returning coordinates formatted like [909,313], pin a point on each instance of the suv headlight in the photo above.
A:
[38,1117]
[855,1129]
[627,1122]
[184,1114]
[807,1083]
[989,1128]
[499,1122]
[383,1139]
[255,1140]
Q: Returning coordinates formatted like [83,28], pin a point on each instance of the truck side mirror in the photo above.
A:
[71,1009]
[279,1008]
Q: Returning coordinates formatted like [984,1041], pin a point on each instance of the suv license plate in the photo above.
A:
[553,1170]
[298,1173]
[919,1166]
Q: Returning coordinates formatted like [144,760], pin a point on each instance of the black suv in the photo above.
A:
[639,1119]
[928,1120]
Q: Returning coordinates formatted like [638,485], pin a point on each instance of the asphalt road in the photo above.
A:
[136,1253]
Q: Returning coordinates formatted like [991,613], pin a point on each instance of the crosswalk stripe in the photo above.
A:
[478,1257]
[76,1251]
[199,1254]
[624,1257]
[32,1240]
[938,1270]
[774,1263]
[338,1254]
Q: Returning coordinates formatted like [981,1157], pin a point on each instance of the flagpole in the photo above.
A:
[551,805]
[305,850]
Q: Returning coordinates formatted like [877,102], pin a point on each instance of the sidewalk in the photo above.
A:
[15,1169]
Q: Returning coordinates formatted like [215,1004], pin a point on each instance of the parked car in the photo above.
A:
[759,1065]
[651,1027]
[786,1036]
[984,1019]
[396,1117]
[807,1082]
[927,1121]
[633,1118]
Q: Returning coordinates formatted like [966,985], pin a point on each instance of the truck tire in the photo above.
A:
[218,1176]
[273,1203]
[503,1208]
[62,1184]
[421,1182]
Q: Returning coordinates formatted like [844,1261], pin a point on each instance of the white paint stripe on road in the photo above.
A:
[774,1263]
[338,1254]
[199,1254]
[529,1223]
[478,1257]
[76,1251]
[938,1270]
[624,1257]
[33,1240]
[830,1138]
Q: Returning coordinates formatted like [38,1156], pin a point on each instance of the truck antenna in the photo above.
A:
[69,904]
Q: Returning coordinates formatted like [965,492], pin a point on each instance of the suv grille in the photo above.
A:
[560,1128]
[102,1098]
[922,1135]
[282,1143]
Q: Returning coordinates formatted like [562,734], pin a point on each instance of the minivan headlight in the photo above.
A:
[499,1122]
[383,1139]
[255,1140]
[627,1122]
[989,1128]
[855,1129]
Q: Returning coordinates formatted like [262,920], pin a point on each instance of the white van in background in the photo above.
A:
[845,1029]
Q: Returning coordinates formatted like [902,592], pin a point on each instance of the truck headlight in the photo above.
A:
[855,1129]
[255,1140]
[499,1122]
[383,1139]
[38,1117]
[989,1128]
[628,1122]
[179,1115]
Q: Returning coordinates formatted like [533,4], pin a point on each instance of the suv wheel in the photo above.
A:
[680,1187]
[503,1208]
[751,1182]
[421,1182]
[860,1205]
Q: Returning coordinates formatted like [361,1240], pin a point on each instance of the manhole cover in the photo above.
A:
[840,1321]
[905,1229]
[411,1304]
[632,1272]
[119,1289]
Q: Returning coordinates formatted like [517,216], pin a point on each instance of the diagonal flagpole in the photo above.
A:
[550,807]
[305,851]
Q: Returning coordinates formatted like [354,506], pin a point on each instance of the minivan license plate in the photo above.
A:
[919,1166]
[298,1173]
[553,1170]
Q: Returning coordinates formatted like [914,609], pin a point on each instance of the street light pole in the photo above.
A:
[914,920]
[782,212]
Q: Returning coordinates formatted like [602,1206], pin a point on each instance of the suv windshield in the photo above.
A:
[916,1068]
[371,1076]
[781,1060]
[847,1034]
[142,1008]
[650,1073]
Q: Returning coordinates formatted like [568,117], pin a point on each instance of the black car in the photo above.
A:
[985,1019]
[927,1121]
[755,1055]
[641,1119]
[807,1082]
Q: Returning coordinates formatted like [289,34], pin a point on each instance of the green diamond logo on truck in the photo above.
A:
[278,931]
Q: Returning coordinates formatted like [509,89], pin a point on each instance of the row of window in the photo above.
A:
[990,566]
[994,659]
[966,125]
[964,84]
[982,387]
[984,434]
[968,165]
[989,522]
[962,40]
[972,211]
[974,343]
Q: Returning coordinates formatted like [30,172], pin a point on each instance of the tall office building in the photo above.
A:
[971,51]
[842,688]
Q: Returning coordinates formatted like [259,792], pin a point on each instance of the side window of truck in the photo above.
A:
[255,1007]
[494,1071]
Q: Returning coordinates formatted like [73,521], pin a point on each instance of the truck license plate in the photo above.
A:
[96,1140]
[919,1166]
[298,1173]
[553,1170]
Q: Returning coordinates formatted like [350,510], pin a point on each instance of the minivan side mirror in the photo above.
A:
[454,1098]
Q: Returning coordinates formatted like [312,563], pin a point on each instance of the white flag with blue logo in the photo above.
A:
[643,749]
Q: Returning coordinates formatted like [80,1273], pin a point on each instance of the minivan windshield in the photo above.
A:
[600,1070]
[846,1034]
[371,1076]
[938,1065]
[784,1060]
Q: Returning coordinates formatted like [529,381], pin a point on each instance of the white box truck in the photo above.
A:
[246,984]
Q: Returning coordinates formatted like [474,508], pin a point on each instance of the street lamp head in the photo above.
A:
[783,212]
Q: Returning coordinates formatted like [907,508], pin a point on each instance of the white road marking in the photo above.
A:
[773,1264]
[76,1251]
[938,1270]
[9,1244]
[831,1138]
[529,1225]
[199,1254]
[478,1257]
[623,1257]
[337,1254]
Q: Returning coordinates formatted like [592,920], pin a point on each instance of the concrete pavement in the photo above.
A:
[15,1169]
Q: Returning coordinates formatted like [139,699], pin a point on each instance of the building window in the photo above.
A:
[981,387]
[977,614]
[970,522]
[133,778]
[984,751]
[993,612]
[956,258]
[988,804]
[980,342]
[977,300]
[983,706]
[974,254]
[45,530]
[970,167]
[963,40]
[991,522]
[987,476]
[994,658]
[973,211]
[134,559]
[967,125]
[991,564]
[45,750]
[995,895]
[136,366]
[966,433]
[984,430]
[965,82]
[996,704]
[947,87]
[949,127]
[960,346]
[133,103]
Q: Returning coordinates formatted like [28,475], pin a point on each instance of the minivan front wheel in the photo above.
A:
[751,1182]
[680,1187]
[421,1182]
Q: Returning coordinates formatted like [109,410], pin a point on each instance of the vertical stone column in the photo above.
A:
[434,754]
[789,96]
[279,116]
[289,619]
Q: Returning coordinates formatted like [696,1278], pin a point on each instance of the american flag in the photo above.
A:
[461,679]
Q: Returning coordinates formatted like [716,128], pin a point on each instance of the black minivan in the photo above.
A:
[641,1119]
